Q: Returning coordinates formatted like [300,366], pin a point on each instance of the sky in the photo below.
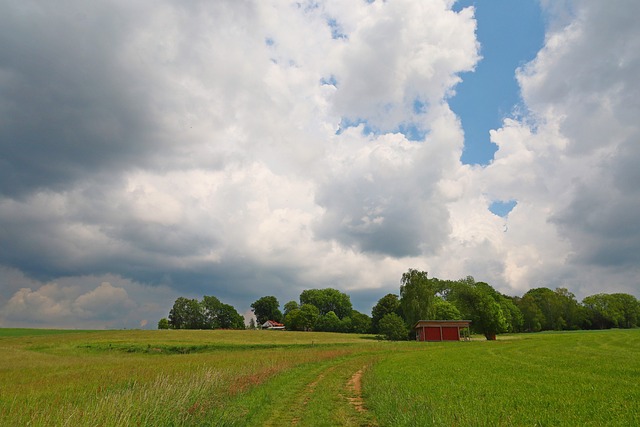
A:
[151,150]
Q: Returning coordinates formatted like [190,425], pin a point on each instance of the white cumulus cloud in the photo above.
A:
[242,149]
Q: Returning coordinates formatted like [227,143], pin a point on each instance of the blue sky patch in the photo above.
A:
[412,132]
[502,208]
[346,123]
[331,81]
[510,33]
[419,107]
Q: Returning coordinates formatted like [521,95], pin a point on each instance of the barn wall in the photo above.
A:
[450,333]
[432,333]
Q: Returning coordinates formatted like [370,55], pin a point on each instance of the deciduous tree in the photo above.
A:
[229,318]
[360,323]
[479,303]
[291,305]
[211,307]
[267,308]
[186,314]
[444,310]
[417,293]
[618,310]
[327,323]
[531,313]
[387,304]
[327,300]
[302,319]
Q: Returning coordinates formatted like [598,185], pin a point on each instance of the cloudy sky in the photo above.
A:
[156,149]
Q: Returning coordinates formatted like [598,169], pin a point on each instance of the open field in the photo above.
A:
[296,378]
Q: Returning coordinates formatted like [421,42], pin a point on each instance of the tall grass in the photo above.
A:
[146,378]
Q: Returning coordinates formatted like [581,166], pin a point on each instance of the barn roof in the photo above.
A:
[427,323]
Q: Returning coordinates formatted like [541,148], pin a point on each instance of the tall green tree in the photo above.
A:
[360,323]
[229,318]
[532,316]
[606,311]
[480,303]
[571,314]
[211,308]
[186,314]
[630,308]
[302,319]
[326,300]
[417,293]
[308,315]
[559,308]
[328,323]
[267,308]
[290,306]
[444,310]
[512,314]
[601,314]
[387,304]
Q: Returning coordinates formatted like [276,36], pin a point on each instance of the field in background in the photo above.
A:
[297,378]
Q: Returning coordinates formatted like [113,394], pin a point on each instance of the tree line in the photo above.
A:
[420,298]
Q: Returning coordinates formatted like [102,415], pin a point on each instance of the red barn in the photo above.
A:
[440,330]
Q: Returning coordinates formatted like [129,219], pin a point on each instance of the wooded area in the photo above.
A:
[420,298]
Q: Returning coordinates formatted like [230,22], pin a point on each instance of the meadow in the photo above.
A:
[275,378]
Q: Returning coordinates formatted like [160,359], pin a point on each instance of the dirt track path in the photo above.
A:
[355,386]
[330,395]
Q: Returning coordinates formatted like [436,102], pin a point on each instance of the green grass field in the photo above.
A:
[274,378]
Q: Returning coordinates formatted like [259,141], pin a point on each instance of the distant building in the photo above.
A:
[272,324]
[442,330]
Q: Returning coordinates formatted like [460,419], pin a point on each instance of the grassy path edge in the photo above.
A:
[312,394]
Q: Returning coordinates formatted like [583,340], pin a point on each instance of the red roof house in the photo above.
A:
[441,330]
[272,324]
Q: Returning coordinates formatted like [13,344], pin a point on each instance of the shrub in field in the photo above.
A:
[392,327]
[163,323]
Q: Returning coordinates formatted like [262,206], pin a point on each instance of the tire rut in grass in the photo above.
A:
[297,397]
[309,390]
[345,380]
[355,386]
[328,393]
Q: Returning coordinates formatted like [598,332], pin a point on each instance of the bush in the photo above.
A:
[163,323]
[392,327]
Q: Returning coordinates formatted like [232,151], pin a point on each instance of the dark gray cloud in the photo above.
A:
[603,226]
[392,220]
[599,98]
[71,107]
